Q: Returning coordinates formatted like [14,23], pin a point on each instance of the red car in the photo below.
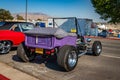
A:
[11,34]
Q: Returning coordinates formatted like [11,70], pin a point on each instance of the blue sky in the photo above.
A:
[54,8]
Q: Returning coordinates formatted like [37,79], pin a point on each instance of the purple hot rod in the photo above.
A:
[66,42]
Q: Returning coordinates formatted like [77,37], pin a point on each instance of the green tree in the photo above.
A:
[108,9]
[19,17]
[39,19]
[5,15]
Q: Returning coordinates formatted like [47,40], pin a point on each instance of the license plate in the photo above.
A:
[39,50]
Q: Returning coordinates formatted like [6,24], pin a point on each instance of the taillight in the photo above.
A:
[32,50]
[52,51]
[49,51]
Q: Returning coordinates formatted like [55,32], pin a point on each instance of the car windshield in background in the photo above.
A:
[6,26]
[67,24]
[27,26]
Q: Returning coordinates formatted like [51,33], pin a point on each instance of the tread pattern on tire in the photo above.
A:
[21,53]
[62,57]
[94,48]
[24,54]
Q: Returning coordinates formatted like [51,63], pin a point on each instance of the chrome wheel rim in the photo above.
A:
[98,49]
[5,46]
[72,59]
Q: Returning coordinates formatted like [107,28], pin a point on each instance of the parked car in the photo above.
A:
[104,33]
[65,42]
[11,34]
[40,24]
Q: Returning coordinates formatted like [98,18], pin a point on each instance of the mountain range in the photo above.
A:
[32,16]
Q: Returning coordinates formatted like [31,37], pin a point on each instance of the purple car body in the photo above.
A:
[48,40]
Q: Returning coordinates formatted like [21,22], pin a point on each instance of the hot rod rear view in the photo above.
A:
[66,42]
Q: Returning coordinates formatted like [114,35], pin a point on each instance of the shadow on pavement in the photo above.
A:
[16,58]
[50,62]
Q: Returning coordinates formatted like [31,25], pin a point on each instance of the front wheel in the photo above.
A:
[97,48]
[25,54]
[5,46]
[67,57]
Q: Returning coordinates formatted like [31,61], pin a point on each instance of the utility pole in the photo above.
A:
[26,10]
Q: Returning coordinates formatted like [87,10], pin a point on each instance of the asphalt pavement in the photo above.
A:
[103,67]
[13,74]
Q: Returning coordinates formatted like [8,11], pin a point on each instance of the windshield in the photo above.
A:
[67,24]
[27,26]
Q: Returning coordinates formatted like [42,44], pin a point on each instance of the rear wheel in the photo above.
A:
[97,48]
[67,57]
[5,46]
[24,53]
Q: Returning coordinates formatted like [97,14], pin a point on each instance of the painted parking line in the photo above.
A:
[111,56]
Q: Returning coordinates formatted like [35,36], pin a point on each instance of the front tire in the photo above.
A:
[24,54]
[5,46]
[67,57]
[97,48]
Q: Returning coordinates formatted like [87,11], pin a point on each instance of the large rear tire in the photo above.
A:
[67,57]
[97,48]
[24,54]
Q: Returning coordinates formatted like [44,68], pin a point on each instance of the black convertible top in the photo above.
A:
[59,33]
